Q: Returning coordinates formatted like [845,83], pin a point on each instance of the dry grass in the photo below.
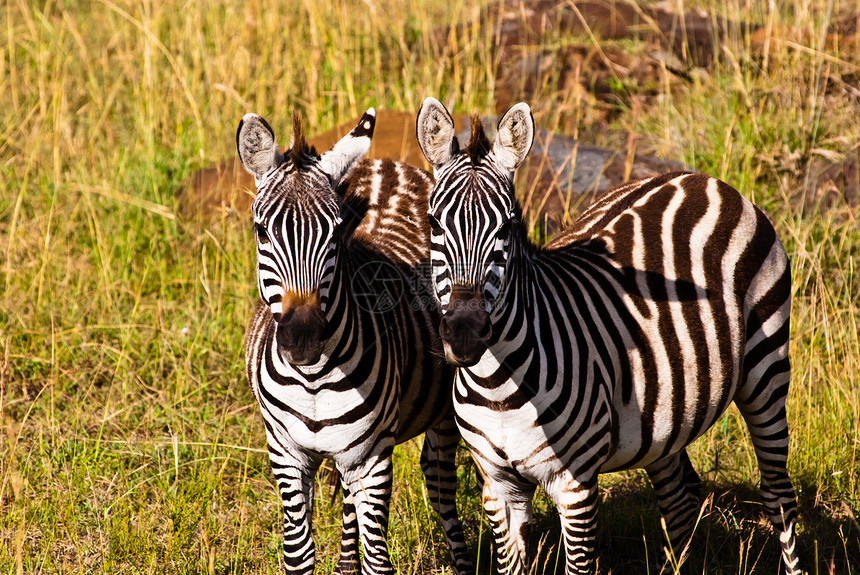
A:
[129,442]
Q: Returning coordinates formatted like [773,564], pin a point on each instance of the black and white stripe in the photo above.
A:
[613,347]
[341,351]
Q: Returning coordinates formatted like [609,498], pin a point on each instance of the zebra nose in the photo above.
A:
[300,333]
[445,328]
[465,331]
[472,322]
[483,327]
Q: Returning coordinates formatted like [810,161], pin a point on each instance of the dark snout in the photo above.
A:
[465,329]
[300,334]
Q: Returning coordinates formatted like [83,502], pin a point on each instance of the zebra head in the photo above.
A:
[299,226]
[472,213]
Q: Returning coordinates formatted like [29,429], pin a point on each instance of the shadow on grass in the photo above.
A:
[733,535]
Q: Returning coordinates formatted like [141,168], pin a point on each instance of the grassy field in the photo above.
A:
[129,440]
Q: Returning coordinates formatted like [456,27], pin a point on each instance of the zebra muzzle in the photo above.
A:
[300,334]
[465,329]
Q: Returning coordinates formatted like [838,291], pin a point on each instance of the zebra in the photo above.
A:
[612,347]
[341,351]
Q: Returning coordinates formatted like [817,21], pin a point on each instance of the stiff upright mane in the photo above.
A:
[479,145]
[300,153]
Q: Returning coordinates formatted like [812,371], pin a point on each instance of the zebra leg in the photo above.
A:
[678,488]
[769,431]
[576,500]
[370,486]
[295,481]
[510,522]
[761,401]
[438,461]
[349,562]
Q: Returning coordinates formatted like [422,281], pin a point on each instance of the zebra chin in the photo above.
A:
[462,358]
[302,357]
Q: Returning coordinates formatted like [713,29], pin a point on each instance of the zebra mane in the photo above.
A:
[479,145]
[352,212]
[520,233]
[300,153]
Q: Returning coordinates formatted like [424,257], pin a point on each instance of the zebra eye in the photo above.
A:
[505,230]
[262,236]
[435,226]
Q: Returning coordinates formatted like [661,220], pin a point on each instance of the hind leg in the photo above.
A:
[769,431]
[678,489]
[761,402]
[438,461]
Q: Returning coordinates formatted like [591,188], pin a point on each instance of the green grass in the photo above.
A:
[129,440]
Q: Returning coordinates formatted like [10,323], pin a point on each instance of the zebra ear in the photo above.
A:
[350,149]
[436,136]
[255,142]
[515,137]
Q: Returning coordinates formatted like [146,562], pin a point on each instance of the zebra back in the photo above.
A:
[389,264]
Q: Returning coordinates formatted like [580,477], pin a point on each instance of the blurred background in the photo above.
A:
[129,440]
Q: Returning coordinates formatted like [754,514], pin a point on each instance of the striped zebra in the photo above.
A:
[612,347]
[340,351]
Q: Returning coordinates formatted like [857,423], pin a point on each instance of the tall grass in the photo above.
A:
[129,442]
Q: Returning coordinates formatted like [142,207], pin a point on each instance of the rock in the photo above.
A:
[587,55]
[546,54]
[830,183]
[561,176]
[224,188]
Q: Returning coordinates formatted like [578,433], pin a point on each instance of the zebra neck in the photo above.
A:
[509,314]
[345,311]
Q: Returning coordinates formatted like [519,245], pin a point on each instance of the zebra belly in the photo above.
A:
[511,443]
[642,439]
[679,384]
